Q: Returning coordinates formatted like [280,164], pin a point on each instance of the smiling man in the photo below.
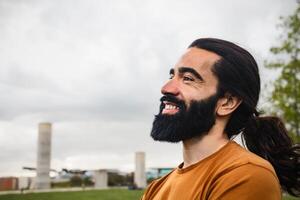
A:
[211,97]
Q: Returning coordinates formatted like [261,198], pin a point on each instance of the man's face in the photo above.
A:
[190,96]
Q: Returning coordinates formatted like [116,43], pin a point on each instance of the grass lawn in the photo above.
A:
[290,198]
[111,194]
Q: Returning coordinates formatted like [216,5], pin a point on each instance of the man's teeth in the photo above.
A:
[171,107]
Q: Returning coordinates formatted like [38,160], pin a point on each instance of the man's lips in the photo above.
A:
[170,108]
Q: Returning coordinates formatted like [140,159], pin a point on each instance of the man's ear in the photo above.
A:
[227,104]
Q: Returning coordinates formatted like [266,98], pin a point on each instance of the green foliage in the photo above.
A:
[87,181]
[61,184]
[286,94]
[115,179]
[76,181]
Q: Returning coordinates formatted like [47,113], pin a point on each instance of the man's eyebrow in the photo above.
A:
[190,70]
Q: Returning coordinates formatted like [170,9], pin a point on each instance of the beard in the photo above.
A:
[187,123]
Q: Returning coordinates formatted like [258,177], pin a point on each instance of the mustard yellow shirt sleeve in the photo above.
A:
[246,182]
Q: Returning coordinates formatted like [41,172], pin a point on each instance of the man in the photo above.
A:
[211,97]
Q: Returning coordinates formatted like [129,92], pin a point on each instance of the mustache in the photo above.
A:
[172,99]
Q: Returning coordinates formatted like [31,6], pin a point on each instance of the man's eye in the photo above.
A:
[186,78]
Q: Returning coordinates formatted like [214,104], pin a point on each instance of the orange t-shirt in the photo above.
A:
[230,173]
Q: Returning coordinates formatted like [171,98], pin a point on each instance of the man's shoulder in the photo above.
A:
[255,180]
[244,172]
[237,156]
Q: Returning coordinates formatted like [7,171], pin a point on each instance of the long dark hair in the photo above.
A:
[238,74]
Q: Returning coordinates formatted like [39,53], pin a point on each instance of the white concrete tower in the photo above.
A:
[43,156]
[140,172]
[101,179]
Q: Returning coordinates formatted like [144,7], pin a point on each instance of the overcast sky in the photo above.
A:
[95,68]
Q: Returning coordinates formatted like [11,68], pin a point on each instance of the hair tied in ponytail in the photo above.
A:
[267,137]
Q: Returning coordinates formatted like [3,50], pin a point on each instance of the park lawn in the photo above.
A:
[290,198]
[110,194]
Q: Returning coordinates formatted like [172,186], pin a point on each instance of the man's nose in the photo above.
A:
[171,87]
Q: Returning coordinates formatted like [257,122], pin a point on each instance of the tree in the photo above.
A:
[286,93]
[76,181]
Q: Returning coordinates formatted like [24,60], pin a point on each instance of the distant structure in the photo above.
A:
[101,179]
[140,172]
[43,156]
[157,172]
[8,183]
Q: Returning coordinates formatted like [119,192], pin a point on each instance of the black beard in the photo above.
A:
[195,121]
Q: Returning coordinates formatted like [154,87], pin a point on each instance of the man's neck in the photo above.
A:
[197,149]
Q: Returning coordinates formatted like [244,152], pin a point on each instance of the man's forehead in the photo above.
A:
[195,57]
